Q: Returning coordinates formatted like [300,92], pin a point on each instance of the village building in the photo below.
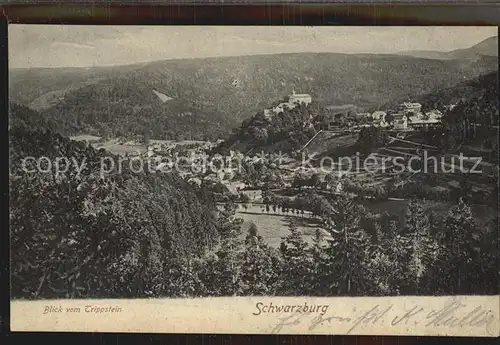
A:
[339,187]
[378,115]
[235,187]
[400,120]
[434,114]
[195,180]
[212,177]
[431,119]
[410,107]
[383,123]
[361,116]
[225,174]
[254,195]
[407,117]
[424,124]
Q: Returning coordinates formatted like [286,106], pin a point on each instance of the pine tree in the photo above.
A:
[297,264]
[459,243]
[319,265]
[221,274]
[260,267]
[388,262]
[222,270]
[182,277]
[422,248]
[252,233]
[348,248]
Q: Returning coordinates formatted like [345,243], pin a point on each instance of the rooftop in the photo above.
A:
[419,121]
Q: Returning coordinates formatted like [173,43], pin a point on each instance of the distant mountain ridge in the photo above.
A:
[487,47]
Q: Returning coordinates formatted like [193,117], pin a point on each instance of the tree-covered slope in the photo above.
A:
[484,87]
[471,112]
[86,234]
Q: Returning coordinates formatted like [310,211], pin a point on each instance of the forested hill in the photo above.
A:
[87,235]
[25,117]
[286,131]
[483,88]
[474,117]
[474,111]
[205,98]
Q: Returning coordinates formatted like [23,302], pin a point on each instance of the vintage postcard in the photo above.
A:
[254,180]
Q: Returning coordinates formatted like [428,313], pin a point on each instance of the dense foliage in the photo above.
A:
[22,116]
[71,230]
[470,119]
[484,87]
[372,137]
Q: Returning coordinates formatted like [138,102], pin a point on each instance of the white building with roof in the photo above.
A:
[410,107]
[293,100]
[434,114]
[299,98]
[431,118]
[378,115]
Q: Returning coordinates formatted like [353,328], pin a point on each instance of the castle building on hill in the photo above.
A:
[293,100]
[298,98]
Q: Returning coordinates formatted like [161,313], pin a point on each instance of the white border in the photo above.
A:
[409,315]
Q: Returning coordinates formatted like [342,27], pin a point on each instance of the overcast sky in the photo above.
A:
[83,46]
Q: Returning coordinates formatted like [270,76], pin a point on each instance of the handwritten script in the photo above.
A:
[453,315]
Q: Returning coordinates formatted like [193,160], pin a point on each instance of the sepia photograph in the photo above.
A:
[201,162]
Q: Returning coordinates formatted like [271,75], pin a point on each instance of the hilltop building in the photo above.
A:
[293,100]
[278,109]
[298,98]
